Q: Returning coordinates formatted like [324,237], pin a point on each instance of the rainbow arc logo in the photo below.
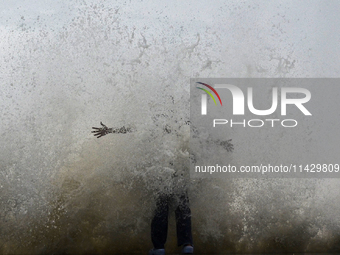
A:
[208,92]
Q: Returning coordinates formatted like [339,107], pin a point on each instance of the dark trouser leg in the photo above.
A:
[183,221]
[159,224]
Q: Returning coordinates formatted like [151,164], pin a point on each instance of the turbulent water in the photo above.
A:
[66,67]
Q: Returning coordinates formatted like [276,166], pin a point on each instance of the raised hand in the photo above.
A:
[227,145]
[99,132]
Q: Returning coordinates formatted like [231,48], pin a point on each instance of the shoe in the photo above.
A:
[157,252]
[188,249]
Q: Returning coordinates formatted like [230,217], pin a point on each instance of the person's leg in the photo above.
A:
[159,224]
[183,221]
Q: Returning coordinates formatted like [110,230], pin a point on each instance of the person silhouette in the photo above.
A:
[159,223]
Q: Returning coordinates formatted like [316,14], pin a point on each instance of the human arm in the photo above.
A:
[104,130]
